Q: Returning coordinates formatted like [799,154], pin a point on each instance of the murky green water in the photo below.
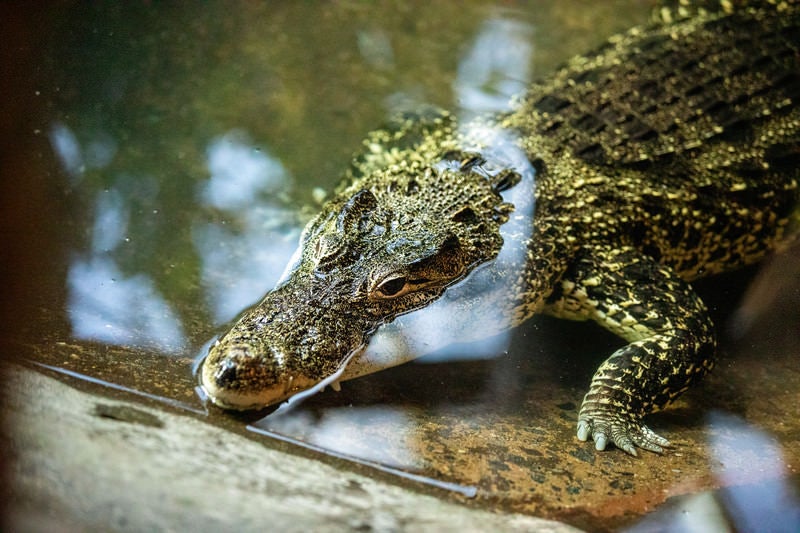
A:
[166,156]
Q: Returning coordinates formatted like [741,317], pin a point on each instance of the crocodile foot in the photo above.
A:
[607,425]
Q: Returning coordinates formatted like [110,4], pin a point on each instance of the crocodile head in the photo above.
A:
[387,245]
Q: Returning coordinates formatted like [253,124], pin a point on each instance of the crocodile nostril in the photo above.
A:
[229,367]
[225,374]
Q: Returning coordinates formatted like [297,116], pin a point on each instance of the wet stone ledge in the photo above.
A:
[81,462]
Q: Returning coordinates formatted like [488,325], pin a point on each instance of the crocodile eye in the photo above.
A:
[392,287]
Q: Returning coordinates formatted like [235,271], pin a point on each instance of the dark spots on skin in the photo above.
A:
[551,104]
[538,165]
[649,89]
[357,210]
[590,76]
[553,127]
[644,134]
[466,215]
[588,123]
[592,153]
[637,130]
[783,157]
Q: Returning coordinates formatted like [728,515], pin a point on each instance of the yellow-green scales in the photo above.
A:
[671,153]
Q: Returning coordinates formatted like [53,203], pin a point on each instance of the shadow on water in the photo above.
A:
[162,163]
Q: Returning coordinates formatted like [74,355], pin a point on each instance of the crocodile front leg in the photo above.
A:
[671,338]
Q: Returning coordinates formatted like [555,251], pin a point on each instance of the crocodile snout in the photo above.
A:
[238,377]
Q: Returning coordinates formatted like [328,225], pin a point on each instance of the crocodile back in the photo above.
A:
[682,140]
[649,95]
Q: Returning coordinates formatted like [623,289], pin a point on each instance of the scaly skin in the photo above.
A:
[670,154]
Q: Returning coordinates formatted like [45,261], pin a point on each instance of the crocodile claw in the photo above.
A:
[605,427]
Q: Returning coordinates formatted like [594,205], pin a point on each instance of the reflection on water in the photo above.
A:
[184,185]
[771,505]
[495,68]
[239,265]
[110,221]
[107,306]
[240,173]
[376,48]
[76,159]
[359,432]
[66,147]
[236,280]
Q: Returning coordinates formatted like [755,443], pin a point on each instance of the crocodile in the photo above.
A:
[668,154]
